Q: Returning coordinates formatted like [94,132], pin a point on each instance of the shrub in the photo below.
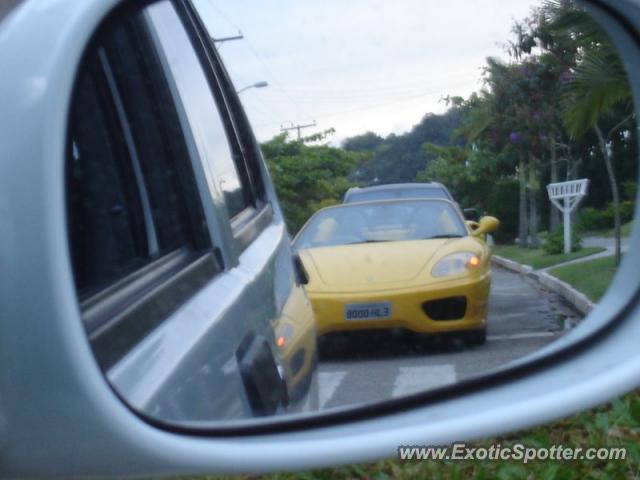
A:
[629,189]
[626,211]
[590,219]
[555,242]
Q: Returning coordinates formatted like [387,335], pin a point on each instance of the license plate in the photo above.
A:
[367,311]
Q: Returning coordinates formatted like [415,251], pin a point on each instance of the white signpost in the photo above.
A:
[571,193]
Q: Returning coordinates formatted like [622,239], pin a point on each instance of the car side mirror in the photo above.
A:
[181,337]
[485,225]
[472,224]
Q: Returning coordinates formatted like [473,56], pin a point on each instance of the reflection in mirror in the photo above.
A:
[447,174]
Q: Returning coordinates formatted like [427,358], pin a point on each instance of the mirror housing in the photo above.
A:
[472,224]
[485,225]
[53,363]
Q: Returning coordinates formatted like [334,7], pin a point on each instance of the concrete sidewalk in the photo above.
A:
[605,242]
[574,297]
[608,243]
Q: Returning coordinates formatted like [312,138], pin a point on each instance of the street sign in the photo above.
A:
[566,196]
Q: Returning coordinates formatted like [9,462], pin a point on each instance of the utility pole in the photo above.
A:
[228,39]
[298,127]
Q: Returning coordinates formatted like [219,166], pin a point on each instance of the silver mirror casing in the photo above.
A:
[58,415]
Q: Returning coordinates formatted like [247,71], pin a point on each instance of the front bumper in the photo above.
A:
[406,307]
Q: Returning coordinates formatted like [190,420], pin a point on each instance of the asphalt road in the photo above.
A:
[364,368]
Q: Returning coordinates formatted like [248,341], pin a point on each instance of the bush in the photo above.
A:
[590,219]
[555,242]
[629,189]
[627,209]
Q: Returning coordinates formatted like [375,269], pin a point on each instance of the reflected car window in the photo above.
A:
[201,108]
[381,222]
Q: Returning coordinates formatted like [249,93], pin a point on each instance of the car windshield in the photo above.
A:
[381,222]
[390,194]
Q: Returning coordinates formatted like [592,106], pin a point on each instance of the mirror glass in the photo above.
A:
[447,173]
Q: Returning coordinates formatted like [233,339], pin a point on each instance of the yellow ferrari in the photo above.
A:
[412,264]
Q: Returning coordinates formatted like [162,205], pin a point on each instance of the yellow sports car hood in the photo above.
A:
[366,266]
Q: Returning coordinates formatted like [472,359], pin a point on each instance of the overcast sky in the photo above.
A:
[357,65]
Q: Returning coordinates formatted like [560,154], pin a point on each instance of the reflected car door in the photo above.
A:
[181,258]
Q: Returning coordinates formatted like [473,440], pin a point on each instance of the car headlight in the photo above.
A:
[455,264]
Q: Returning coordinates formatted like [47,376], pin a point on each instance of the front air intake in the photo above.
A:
[452,308]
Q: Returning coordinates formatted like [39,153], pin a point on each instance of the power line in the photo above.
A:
[222,14]
[369,107]
[276,82]
[318,93]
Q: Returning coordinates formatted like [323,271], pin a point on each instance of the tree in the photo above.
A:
[450,167]
[307,177]
[557,50]
[594,88]
[510,115]
[399,158]
[367,142]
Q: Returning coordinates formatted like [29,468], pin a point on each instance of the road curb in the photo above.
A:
[511,265]
[573,297]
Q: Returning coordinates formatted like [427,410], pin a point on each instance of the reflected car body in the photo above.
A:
[400,276]
[151,209]
[295,332]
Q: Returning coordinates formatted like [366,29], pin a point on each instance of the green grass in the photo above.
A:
[591,277]
[537,258]
[616,424]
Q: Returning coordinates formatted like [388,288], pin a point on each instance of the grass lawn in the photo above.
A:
[592,277]
[613,425]
[537,258]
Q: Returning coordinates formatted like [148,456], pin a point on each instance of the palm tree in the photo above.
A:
[496,108]
[594,88]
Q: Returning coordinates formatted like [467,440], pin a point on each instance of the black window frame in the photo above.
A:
[114,131]
[119,315]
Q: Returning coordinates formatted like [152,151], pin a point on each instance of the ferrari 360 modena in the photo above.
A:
[411,264]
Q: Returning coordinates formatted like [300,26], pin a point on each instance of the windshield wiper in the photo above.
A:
[448,235]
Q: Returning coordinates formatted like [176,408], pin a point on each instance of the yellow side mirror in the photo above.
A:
[472,225]
[486,225]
